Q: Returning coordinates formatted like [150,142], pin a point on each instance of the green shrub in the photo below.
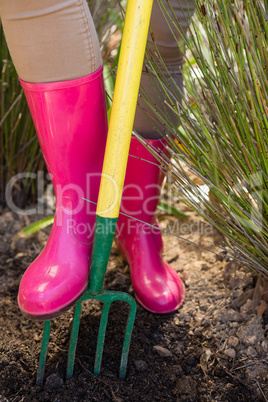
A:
[222,131]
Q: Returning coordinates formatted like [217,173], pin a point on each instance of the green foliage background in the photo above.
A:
[222,134]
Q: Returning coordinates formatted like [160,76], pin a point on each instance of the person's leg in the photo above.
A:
[157,286]
[55,50]
[51,40]
[163,43]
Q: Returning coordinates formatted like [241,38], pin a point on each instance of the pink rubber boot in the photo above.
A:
[70,121]
[157,286]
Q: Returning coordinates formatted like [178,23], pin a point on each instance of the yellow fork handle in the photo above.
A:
[126,91]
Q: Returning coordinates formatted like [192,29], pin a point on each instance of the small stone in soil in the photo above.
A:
[229,316]
[162,351]
[247,307]
[186,386]
[140,365]
[233,341]
[156,336]
[252,332]
[251,352]
[54,381]
[230,353]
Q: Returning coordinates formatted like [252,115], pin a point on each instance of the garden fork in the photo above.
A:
[114,167]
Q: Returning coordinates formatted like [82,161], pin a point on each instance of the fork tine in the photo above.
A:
[101,338]
[43,354]
[73,340]
[127,339]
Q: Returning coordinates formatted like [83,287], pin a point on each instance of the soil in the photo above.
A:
[214,348]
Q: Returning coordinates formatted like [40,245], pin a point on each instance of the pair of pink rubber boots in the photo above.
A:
[71,124]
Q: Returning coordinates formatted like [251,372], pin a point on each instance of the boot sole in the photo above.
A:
[56,314]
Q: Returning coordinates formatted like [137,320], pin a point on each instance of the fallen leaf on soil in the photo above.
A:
[262,308]
[239,301]
[162,351]
[19,255]
[204,359]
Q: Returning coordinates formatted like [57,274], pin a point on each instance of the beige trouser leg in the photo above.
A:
[50,40]
[146,123]
[55,40]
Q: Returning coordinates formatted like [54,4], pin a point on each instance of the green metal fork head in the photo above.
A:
[107,297]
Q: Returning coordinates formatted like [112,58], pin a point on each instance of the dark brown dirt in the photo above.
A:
[210,350]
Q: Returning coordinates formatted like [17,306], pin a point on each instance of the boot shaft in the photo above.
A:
[71,123]
[143,183]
